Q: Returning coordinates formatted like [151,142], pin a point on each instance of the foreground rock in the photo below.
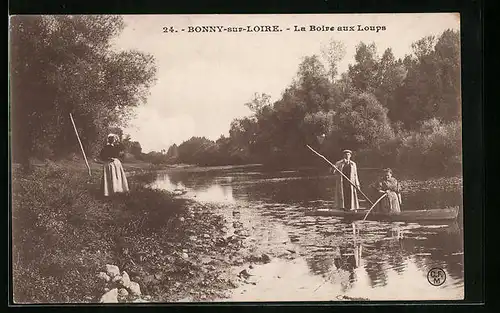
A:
[105,277]
[125,281]
[119,288]
[112,270]
[110,296]
[135,289]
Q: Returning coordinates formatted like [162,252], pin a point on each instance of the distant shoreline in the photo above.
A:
[137,167]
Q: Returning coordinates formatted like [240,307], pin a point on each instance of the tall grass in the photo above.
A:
[64,232]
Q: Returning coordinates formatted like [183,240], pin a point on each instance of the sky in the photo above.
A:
[204,79]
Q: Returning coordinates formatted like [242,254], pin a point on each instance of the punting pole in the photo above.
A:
[80,142]
[378,200]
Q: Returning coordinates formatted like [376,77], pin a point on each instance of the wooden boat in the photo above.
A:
[405,216]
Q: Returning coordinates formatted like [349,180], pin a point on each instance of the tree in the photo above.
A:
[136,149]
[259,101]
[64,64]
[333,53]
[378,108]
[197,150]
[363,123]
[432,85]
[424,47]
[311,91]
[173,152]
[389,77]
[363,72]
[447,53]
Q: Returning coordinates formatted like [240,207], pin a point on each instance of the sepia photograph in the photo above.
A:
[236,158]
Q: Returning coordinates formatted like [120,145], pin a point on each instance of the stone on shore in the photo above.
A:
[116,279]
[158,276]
[139,300]
[265,258]
[125,281]
[110,296]
[104,276]
[123,292]
[112,270]
[186,299]
[244,274]
[134,288]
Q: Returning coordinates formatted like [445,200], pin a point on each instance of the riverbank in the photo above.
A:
[65,233]
[79,165]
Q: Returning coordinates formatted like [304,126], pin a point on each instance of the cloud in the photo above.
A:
[156,132]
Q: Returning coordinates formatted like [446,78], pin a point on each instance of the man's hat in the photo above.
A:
[347,151]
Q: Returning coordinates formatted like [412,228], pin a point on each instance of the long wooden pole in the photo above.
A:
[378,200]
[80,142]
[333,165]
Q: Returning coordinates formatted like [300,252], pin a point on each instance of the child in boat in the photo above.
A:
[114,179]
[389,185]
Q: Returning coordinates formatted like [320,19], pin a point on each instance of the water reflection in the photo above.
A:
[208,192]
[367,259]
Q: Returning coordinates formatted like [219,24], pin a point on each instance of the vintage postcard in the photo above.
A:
[229,158]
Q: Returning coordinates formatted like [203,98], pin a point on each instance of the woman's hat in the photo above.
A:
[347,151]
[114,136]
[387,170]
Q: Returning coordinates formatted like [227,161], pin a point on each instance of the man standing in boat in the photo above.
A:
[346,195]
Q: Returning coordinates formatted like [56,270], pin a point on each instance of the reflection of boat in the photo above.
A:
[416,215]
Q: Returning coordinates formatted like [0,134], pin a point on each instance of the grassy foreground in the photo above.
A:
[64,233]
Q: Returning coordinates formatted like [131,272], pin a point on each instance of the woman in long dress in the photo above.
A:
[114,179]
[389,185]
[346,195]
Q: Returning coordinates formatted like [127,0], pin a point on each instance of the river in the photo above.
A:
[371,260]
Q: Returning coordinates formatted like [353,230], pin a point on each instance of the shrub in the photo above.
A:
[435,147]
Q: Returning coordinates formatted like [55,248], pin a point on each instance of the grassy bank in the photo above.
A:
[79,165]
[64,233]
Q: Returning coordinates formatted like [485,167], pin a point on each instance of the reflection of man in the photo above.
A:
[358,250]
[346,195]
[347,263]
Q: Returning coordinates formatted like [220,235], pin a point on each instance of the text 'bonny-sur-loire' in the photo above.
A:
[276,28]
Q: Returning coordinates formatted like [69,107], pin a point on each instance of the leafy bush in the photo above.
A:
[435,147]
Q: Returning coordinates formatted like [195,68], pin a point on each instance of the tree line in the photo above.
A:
[402,112]
[392,112]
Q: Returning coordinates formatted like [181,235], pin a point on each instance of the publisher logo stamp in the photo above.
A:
[436,276]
